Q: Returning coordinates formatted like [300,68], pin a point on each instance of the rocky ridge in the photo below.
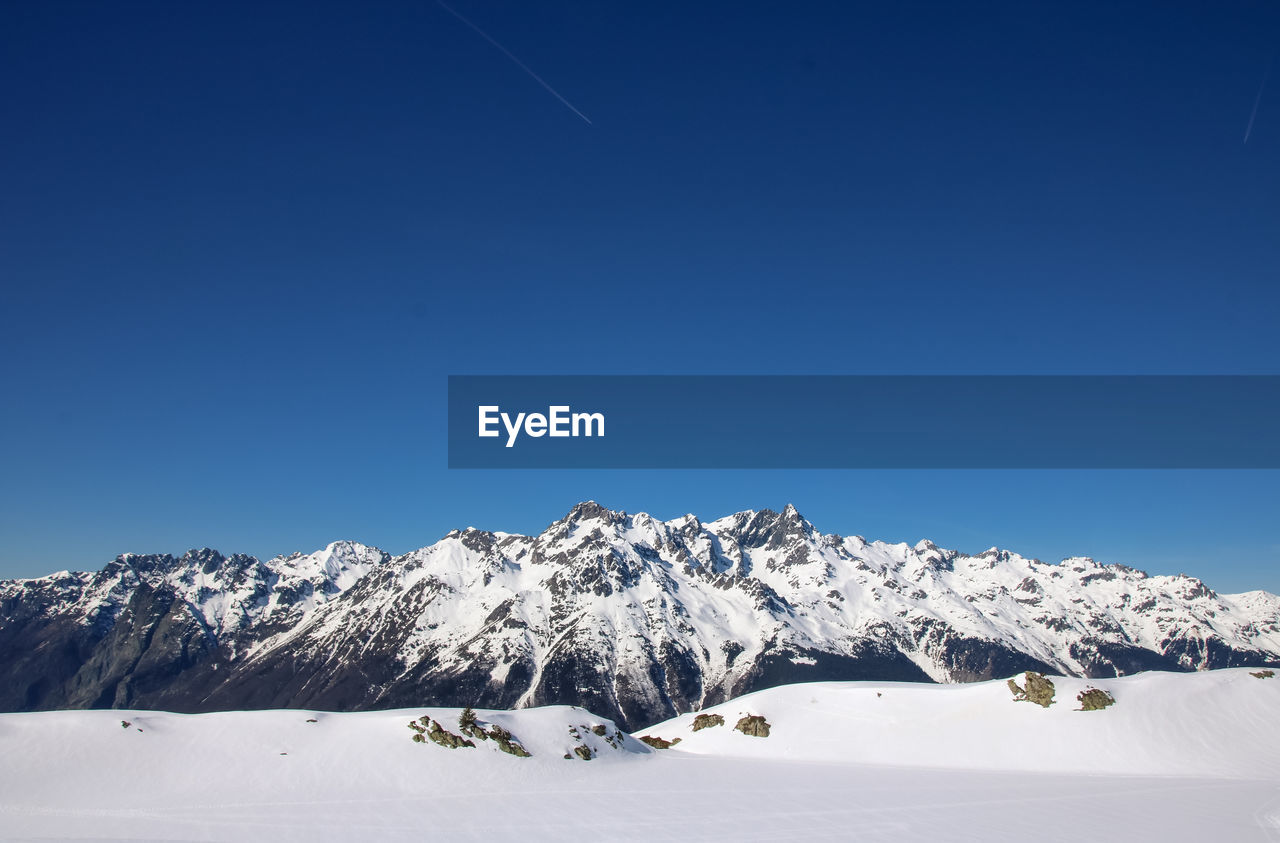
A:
[631,617]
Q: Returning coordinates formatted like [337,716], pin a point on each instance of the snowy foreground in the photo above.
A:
[1178,757]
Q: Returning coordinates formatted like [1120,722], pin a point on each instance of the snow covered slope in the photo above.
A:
[1178,757]
[632,617]
[1219,723]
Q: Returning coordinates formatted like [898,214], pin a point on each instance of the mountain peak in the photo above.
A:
[791,516]
[771,530]
[588,510]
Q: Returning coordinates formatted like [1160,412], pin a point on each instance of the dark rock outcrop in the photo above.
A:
[1039,689]
[1095,699]
[706,721]
[753,725]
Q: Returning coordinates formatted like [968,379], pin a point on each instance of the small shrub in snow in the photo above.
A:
[469,725]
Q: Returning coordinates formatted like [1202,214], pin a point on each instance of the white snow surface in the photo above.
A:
[1179,757]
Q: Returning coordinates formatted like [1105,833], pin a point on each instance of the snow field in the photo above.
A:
[1179,757]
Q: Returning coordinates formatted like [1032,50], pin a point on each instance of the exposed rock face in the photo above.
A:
[441,735]
[1094,699]
[508,742]
[659,743]
[633,618]
[706,721]
[470,726]
[753,725]
[1039,689]
[1262,674]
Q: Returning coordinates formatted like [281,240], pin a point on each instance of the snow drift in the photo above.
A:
[1178,757]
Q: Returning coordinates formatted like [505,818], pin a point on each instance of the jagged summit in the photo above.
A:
[590,509]
[627,615]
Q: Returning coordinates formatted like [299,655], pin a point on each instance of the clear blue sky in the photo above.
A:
[242,245]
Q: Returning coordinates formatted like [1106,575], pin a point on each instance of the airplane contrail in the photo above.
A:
[1256,100]
[511,56]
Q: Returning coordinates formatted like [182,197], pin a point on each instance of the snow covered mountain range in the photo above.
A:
[633,618]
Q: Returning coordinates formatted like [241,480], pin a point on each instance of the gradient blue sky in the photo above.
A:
[242,245]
